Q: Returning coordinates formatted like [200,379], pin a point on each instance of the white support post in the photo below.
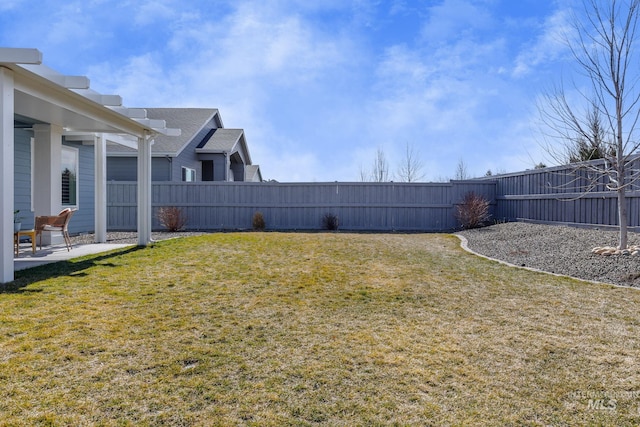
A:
[7,172]
[47,188]
[227,167]
[144,191]
[100,153]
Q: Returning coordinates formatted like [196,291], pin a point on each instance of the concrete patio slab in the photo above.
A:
[51,254]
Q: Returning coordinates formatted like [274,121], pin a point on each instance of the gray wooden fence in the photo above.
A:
[551,195]
[562,195]
[300,206]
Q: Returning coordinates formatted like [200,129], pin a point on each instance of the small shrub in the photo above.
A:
[330,221]
[258,221]
[172,218]
[473,212]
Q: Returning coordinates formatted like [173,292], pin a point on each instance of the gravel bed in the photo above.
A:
[130,237]
[558,249]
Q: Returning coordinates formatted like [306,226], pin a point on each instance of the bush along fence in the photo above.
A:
[301,206]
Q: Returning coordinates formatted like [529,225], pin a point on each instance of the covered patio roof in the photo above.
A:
[45,95]
[31,92]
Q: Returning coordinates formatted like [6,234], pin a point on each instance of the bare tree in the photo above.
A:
[380,171]
[461,171]
[603,45]
[410,169]
[363,174]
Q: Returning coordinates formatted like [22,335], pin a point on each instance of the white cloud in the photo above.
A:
[11,4]
[444,99]
[261,42]
[141,81]
[547,47]
[317,86]
[148,12]
[63,24]
[453,19]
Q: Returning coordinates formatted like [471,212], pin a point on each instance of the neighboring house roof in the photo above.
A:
[223,140]
[189,120]
[193,122]
[252,173]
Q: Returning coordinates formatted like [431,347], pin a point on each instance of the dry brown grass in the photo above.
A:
[314,329]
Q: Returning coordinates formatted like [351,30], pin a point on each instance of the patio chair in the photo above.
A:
[59,223]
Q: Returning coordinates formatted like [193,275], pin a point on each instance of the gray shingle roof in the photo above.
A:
[189,120]
[222,140]
[252,173]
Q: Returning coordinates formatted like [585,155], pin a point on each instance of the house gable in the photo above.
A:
[205,147]
[170,154]
[227,143]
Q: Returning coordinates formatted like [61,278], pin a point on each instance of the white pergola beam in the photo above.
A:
[152,123]
[160,126]
[132,113]
[72,101]
[125,140]
[72,82]
[79,136]
[106,100]
[170,131]
[12,55]
[69,82]
[31,61]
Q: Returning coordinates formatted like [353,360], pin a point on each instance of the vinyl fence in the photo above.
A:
[301,206]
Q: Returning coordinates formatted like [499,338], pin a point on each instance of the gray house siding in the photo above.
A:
[22,177]
[160,169]
[188,158]
[126,169]
[238,171]
[185,160]
[84,219]
[214,167]
[164,167]
[122,169]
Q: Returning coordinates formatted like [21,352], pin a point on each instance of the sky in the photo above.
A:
[320,87]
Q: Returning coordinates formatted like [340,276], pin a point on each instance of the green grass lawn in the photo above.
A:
[314,329]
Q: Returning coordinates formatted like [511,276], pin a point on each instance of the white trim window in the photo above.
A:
[188,174]
[69,175]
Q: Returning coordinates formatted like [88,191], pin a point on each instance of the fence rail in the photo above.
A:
[358,206]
